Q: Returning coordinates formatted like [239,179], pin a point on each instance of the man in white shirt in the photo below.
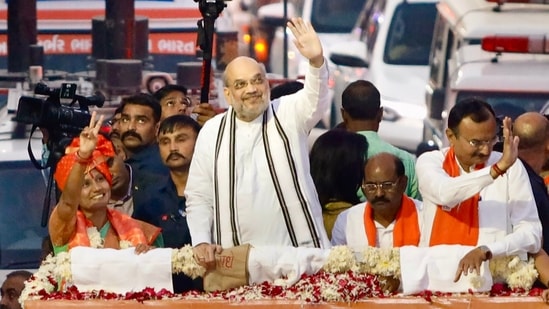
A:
[249,180]
[389,218]
[474,196]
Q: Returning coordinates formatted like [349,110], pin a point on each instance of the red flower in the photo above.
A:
[500,289]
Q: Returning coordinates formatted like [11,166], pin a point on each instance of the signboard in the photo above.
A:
[159,43]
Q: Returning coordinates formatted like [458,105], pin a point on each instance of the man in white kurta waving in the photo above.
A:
[249,179]
[474,196]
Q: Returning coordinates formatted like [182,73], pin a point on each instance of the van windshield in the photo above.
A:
[410,34]
[335,16]
[511,104]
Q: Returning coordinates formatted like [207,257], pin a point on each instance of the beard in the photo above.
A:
[251,108]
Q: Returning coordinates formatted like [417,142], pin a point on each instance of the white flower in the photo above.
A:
[95,237]
[340,259]
[514,271]
[522,275]
[330,293]
[125,244]
[183,261]
[476,280]
[62,270]
[381,261]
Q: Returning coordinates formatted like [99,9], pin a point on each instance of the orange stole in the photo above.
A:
[406,231]
[127,228]
[459,226]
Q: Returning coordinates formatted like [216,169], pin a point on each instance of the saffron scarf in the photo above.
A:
[460,225]
[406,231]
[126,228]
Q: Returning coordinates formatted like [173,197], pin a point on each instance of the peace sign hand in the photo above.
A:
[88,136]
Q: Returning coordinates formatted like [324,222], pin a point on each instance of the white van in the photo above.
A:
[397,36]
[486,50]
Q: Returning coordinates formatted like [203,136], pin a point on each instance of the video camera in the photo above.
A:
[62,122]
[58,119]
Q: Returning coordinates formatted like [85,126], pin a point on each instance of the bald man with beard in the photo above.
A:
[250,180]
[533,130]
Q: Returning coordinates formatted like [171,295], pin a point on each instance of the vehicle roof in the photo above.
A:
[473,19]
[475,69]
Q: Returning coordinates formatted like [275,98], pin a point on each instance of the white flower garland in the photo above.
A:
[518,274]
[95,237]
[183,261]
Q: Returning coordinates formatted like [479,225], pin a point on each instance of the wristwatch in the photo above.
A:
[486,251]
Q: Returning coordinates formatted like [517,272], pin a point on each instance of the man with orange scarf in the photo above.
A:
[474,196]
[85,181]
[389,218]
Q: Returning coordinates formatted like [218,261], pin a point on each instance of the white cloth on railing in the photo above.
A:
[284,265]
[434,269]
[121,271]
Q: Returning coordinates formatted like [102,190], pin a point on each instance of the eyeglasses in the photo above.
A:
[475,143]
[384,186]
[257,80]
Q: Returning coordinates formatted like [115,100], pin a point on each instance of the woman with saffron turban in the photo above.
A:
[81,217]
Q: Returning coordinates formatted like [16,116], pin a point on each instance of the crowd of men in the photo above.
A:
[245,176]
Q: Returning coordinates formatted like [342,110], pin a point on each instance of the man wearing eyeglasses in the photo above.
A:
[474,196]
[249,180]
[389,218]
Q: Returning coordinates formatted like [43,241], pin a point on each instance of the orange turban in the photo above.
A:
[103,150]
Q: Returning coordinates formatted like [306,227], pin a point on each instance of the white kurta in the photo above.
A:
[258,212]
[349,229]
[508,218]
